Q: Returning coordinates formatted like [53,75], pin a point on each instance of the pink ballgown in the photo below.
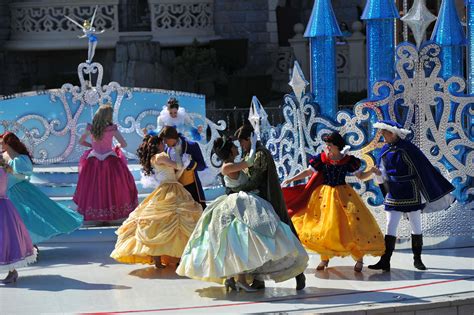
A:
[106,189]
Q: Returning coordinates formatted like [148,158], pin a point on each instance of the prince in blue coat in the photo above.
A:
[182,146]
[410,184]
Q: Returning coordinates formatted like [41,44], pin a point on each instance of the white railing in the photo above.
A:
[182,17]
[180,22]
[41,25]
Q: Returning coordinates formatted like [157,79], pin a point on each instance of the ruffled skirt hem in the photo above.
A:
[160,226]
[23,262]
[277,258]
[336,222]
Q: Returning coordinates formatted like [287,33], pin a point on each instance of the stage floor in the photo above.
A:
[79,277]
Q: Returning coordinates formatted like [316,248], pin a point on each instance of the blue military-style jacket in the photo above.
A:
[410,178]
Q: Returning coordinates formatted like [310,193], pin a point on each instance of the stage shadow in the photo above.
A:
[448,250]
[57,283]
[153,273]
[309,295]
[347,273]
[78,253]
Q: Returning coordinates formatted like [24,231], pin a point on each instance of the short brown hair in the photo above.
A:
[169,132]
[244,132]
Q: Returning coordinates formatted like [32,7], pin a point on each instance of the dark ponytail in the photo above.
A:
[223,148]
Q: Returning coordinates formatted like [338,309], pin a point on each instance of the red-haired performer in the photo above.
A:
[43,217]
[16,249]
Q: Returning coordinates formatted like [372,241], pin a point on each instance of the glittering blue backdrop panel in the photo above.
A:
[452,60]
[323,74]
[470,46]
[410,99]
[380,52]
[53,126]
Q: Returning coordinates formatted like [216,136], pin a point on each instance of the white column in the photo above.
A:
[357,60]
[300,48]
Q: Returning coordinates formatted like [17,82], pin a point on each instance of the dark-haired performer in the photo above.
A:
[174,115]
[176,147]
[240,234]
[335,221]
[263,177]
[162,223]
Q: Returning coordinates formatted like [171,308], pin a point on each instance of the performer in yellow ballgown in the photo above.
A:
[335,221]
[162,224]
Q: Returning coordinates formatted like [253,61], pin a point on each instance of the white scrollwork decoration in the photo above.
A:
[436,110]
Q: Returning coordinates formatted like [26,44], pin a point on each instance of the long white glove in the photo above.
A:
[186,160]
[250,158]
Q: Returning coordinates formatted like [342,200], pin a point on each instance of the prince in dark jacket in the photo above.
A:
[189,179]
[411,184]
[263,177]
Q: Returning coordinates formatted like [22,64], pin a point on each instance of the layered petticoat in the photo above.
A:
[241,233]
[160,226]
[16,248]
[106,189]
[336,222]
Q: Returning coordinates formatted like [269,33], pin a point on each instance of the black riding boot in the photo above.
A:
[416,246]
[384,262]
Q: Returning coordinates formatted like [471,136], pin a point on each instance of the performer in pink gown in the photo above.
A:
[106,189]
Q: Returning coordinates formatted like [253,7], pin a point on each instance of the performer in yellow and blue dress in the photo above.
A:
[333,220]
[43,217]
[410,184]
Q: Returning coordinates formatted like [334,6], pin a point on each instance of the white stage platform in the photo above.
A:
[75,275]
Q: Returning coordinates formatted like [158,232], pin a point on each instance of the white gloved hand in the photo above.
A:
[186,160]
[253,141]
[250,158]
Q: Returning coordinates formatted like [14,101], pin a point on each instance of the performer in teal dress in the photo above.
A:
[43,217]
[240,235]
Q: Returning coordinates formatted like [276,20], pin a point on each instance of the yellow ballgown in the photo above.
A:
[336,222]
[161,225]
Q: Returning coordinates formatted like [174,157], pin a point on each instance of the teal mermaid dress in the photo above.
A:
[241,234]
[43,217]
